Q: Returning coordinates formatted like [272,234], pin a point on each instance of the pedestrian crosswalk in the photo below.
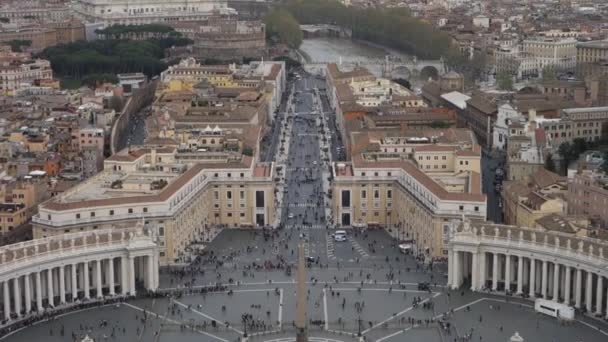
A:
[358,247]
[306,226]
[329,243]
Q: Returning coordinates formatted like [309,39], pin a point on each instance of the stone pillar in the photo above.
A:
[62,284]
[28,293]
[150,273]
[543,284]
[98,278]
[483,269]
[85,283]
[568,291]
[579,290]
[508,272]
[606,303]
[520,274]
[132,291]
[7,301]
[49,286]
[556,282]
[17,296]
[532,290]
[111,276]
[39,293]
[599,294]
[495,272]
[450,267]
[124,283]
[589,291]
[74,282]
[456,274]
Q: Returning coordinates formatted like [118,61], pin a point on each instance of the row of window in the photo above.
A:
[110,212]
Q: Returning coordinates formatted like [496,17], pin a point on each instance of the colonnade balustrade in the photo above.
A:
[531,263]
[42,274]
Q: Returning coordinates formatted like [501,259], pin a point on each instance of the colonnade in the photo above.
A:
[49,286]
[523,274]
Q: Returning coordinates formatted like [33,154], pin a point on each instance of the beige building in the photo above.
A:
[592,52]
[552,51]
[179,199]
[588,195]
[14,76]
[12,215]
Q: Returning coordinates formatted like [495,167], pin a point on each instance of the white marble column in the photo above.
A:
[123,276]
[589,291]
[132,276]
[28,293]
[599,295]
[39,293]
[49,286]
[111,276]
[456,273]
[568,291]
[555,282]
[98,278]
[87,290]
[74,282]
[7,301]
[508,272]
[543,284]
[450,267]
[532,290]
[520,274]
[483,269]
[150,273]
[579,289]
[17,296]
[61,285]
[606,303]
[495,272]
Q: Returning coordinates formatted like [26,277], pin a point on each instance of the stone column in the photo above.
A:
[49,286]
[124,283]
[450,267]
[39,293]
[87,291]
[495,272]
[111,276]
[150,273]
[28,293]
[568,292]
[7,301]
[606,303]
[579,290]
[74,282]
[532,290]
[543,285]
[589,291]
[599,294]
[483,269]
[456,270]
[556,282]
[132,291]
[520,274]
[17,296]
[508,272]
[61,284]
[98,278]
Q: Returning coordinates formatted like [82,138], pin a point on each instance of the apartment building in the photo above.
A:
[14,76]
[588,195]
[181,200]
[12,215]
[552,51]
[592,52]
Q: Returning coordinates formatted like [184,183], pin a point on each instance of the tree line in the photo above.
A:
[82,58]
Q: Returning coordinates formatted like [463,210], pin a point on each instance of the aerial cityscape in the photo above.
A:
[304,170]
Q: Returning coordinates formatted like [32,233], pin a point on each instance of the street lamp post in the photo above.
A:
[359,326]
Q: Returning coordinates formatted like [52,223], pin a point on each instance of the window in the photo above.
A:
[229,214]
[376,194]
[389,174]
[461,208]
[242,195]
[229,174]
[242,175]
[145,210]
[363,194]
[376,213]
[389,194]
[476,208]
[216,175]
[77,216]
[216,195]
[92,214]
[376,174]
[242,214]
[48,217]
[161,231]
[229,195]
[130,210]
[259,199]
[363,174]
[345,199]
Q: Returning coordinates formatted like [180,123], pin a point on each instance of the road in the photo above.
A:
[135,133]
[489,164]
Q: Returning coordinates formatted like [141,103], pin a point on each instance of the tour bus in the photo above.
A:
[554,309]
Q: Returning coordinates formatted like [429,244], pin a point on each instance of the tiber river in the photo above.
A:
[331,49]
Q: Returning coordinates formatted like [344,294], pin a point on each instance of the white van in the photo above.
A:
[340,236]
[554,309]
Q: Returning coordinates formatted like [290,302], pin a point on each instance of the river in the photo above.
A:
[324,50]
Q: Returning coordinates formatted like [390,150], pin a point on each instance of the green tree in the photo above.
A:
[17,44]
[504,81]
[549,73]
[283,27]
